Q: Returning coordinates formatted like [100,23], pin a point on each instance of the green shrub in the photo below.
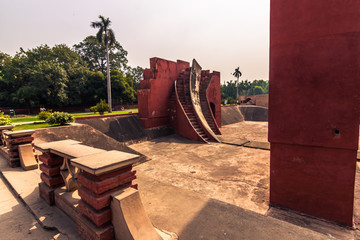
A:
[4,119]
[100,107]
[60,118]
[93,109]
[230,100]
[43,115]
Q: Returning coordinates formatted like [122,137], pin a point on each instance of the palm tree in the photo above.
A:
[237,74]
[106,36]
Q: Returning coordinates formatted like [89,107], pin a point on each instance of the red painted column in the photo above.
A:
[314,106]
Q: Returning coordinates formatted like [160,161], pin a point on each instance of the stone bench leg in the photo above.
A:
[50,176]
[94,206]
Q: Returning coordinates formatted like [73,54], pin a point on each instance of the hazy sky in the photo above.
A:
[220,35]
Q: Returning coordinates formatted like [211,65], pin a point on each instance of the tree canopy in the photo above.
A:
[63,76]
[246,88]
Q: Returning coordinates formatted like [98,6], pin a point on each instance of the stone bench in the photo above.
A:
[12,140]
[3,129]
[97,174]
[55,167]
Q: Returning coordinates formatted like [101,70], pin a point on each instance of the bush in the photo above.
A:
[60,118]
[4,119]
[230,100]
[43,115]
[100,107]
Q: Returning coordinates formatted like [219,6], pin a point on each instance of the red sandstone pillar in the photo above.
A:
[50,176]
[313,106]
[97,181]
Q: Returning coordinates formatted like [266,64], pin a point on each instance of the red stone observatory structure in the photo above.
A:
[188,99]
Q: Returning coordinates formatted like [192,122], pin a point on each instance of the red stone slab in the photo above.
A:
[108,175]
[20,140]
[99,187]
[99,218]
[102,201]
[51,160]
[50,171]
[55,181]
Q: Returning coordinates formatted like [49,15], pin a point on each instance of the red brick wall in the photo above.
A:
[313,112]
[156,88]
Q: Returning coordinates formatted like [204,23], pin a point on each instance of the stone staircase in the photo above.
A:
[183,90]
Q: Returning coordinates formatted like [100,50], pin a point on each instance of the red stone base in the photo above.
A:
[50,171]
[53,182]
[51,160]
[67,202]
[46,193]
[12,161]
[316,180]
[87,230]
[99,218]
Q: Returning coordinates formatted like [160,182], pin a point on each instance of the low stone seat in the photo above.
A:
[56,167]
[18,134]
[2,130]
[13,140]
[6,127]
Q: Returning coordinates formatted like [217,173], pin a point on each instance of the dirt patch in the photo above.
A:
[126,129]
[83,133]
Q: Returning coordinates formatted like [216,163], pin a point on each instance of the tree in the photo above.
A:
[237,74]
[93,53]
[123,87]
[107,36]
[258,90]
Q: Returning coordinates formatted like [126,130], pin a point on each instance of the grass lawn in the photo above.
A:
[33,126]
[134,110]
[34,118]
[27,119]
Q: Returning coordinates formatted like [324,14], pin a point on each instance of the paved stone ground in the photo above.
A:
[200,191]
[231,174]
[228,173]
[16,222]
